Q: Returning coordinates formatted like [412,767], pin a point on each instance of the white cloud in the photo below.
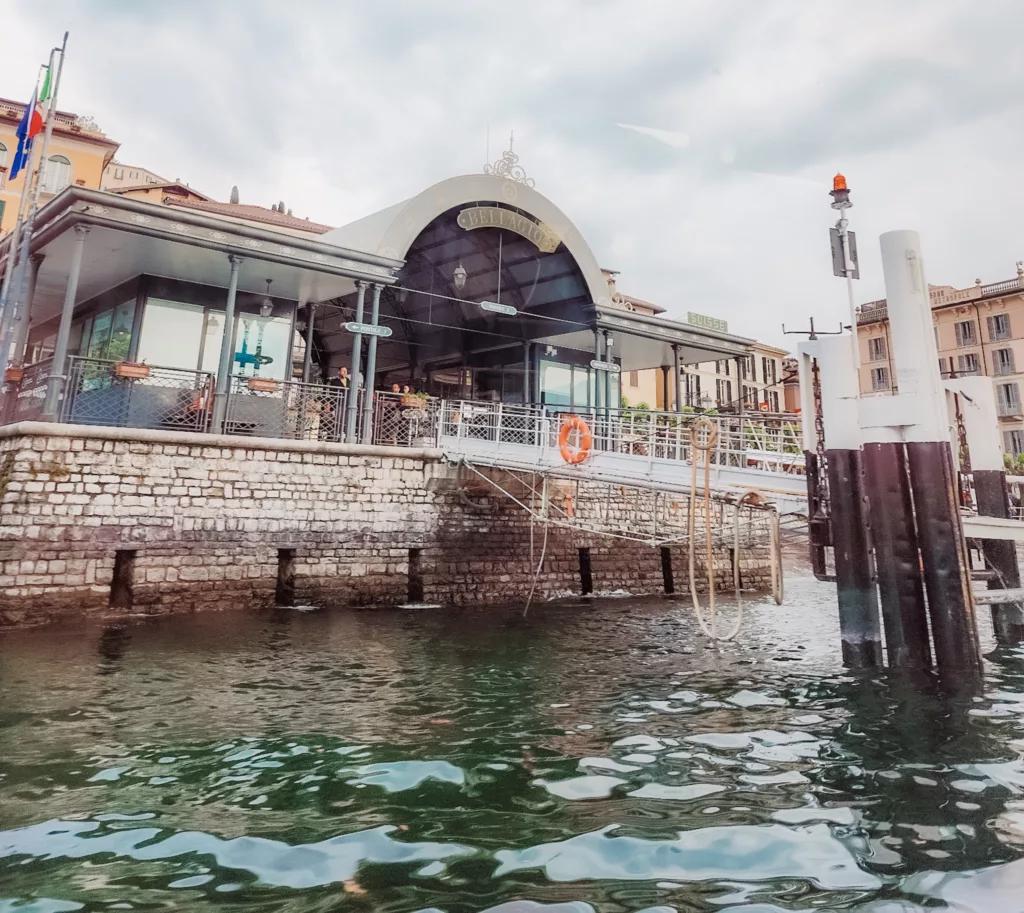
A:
[342,109]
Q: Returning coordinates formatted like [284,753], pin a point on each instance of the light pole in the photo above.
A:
[844,259]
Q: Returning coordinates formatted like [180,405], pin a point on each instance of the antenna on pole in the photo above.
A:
[813,333]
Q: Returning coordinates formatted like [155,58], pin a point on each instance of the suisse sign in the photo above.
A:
[708,323]
[368,328]
[541,236]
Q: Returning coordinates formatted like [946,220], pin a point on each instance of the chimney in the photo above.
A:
[234,194]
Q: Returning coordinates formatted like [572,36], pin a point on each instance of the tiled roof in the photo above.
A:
[162,186]
[252,213]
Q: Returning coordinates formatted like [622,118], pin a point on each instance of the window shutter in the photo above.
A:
[1009,366]
[959,334]
[1001,396]
[1014,392]
[991,321]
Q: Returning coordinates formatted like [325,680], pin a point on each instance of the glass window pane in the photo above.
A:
[170,334]
[121,331]
[262,347]
[100,335]
[214,341]
[580,387]
[555,384]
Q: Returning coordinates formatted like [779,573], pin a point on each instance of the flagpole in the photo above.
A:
[7,305]
[19,282]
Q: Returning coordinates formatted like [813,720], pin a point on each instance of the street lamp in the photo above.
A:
[459,277]
[267,307]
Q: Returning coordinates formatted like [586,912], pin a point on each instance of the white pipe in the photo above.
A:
[839,393]
[913,337]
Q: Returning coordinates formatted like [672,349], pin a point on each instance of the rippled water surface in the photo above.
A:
[588,758]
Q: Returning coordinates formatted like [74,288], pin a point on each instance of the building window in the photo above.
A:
[1008,399]
[1013,443]
[118,174]
[56,174]
[634,378]
[967,364]
[879,378]
[965,334]
[750,397]
[764,370]
[945,366]
[876,348]
[999,326]
[1004,361]
[775,401]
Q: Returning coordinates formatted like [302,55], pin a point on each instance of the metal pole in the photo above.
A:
[371,367]
[666,405]
[307,364]
[607,378]
[16,294]
[24,317]
[597,374]
[357,353]
[220,393]
[526,373]
[843,225]
[60,352]
[675,360]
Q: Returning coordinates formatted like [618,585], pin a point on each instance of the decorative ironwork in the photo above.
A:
[508,166]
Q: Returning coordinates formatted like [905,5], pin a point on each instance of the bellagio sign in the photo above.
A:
[495,217]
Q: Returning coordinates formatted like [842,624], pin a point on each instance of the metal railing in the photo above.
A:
[295,411]
[761,440]
[24,401]
[99,392]
[408,420]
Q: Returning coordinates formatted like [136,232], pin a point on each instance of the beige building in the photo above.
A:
[78,154]
[978,331]
[118,174]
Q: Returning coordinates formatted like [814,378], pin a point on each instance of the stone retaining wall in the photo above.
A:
[208,520]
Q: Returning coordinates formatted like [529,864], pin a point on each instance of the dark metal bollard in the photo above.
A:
[1000,556]
[897,564]
[858,601]
[947,573]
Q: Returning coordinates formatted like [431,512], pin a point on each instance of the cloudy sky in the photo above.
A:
[692,141]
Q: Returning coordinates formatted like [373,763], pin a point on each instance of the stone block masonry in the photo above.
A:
[203,520]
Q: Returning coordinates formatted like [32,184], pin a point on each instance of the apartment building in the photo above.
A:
[978,331]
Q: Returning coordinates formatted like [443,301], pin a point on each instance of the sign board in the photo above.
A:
[542,236]
[608,366]
[496,308]
[838,265]
[708,323]
[368,329]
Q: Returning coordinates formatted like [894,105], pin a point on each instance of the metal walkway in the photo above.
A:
[648,450]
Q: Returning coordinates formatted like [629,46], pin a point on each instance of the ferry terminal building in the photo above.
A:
[488,289]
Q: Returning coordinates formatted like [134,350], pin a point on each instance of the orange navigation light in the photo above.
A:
[839,182]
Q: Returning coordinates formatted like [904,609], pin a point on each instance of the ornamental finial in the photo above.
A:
[508,166]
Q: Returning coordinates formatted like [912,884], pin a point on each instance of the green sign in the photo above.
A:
[708,323]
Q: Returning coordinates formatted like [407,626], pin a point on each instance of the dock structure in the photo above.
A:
[890,493]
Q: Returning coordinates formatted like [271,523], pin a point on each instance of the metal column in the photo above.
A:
[371,367]
[24,315]
[666,402]
[357,355]
[220,393]
[307,364]
[607,377]
[526,373]
[58,374]
[675,365]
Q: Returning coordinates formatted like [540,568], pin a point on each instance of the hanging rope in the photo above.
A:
[703,437]
[544,545]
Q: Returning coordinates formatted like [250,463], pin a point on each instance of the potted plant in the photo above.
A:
[14,375]
[261,385]
[414,400]
[132,370]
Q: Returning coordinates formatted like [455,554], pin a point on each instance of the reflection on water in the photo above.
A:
[585,759]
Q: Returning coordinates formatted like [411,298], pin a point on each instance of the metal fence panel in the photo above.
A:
[24,402]
[403,420]
[258,407]
[108,393]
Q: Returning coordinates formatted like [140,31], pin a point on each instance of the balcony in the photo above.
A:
[1010,410]
[872,312]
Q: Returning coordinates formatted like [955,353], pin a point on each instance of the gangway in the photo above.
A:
[637,448]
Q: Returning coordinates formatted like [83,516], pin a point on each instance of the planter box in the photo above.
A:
[131,370]
[262,385]
[14,375]
[414,402]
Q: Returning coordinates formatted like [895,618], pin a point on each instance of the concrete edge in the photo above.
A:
[225,441]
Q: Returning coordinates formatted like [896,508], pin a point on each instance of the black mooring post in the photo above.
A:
[897,563]
[1000,555]
[819,528]
[859,622]
[947,573]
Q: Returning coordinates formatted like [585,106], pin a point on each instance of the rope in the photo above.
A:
[543,548]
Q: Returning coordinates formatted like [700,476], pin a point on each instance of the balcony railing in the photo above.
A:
[23,401]
[109,393]
[261,407]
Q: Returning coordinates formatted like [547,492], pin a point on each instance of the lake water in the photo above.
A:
[588,758]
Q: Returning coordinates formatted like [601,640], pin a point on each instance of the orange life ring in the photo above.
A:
[571,456]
